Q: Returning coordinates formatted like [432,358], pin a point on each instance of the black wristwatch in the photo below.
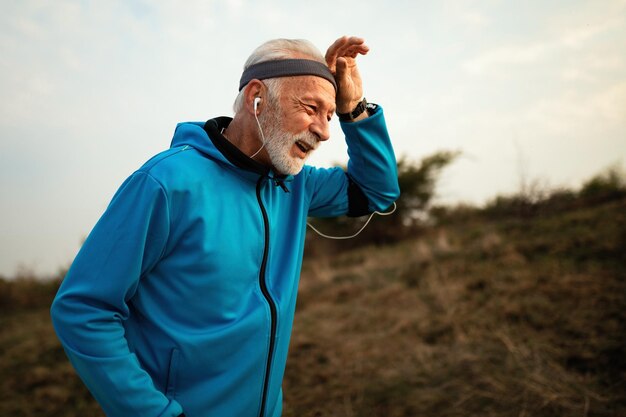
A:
[349,117]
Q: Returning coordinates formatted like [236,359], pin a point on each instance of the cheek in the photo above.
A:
[297,123]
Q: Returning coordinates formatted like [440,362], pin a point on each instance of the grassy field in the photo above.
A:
[523,316]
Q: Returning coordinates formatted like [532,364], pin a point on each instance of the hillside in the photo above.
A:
[520,316]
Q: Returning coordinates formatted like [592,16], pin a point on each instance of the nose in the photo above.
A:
[321,128]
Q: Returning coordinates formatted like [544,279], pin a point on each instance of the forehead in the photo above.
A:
[310,86]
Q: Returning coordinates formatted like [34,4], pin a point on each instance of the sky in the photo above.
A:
[531,91]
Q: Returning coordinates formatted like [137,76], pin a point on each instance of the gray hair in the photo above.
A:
[273,50]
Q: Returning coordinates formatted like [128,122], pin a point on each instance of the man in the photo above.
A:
[182,298]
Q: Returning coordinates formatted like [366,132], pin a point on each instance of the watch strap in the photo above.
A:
[358,110]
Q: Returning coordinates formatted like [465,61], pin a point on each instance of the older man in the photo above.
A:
[182,298]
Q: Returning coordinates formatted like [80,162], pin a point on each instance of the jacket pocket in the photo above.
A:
[172,374]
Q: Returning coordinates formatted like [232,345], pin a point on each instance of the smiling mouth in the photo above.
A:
[305,148]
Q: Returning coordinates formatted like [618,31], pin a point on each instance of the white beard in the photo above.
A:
[279,143]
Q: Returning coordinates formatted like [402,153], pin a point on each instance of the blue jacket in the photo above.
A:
[182,297]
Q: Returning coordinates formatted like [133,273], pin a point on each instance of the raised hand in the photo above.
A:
[341,60]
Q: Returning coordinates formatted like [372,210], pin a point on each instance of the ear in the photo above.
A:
[255,89]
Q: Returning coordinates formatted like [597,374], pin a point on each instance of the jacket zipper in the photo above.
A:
[266,294]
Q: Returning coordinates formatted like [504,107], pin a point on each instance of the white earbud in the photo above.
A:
[257,100]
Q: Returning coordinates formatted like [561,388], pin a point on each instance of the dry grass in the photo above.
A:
[520,318]
[507,318]
[37,379]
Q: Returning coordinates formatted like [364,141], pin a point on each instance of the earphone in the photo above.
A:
[257,100]
[359,231]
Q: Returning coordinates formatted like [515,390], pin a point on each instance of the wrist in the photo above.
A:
[348,106]
[357,111]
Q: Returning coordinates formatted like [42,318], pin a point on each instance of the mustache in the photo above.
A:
[309,138]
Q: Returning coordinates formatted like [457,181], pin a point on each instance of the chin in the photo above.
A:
[288,165]
[291,170]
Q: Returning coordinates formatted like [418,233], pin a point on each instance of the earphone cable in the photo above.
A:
[359,231]
[256,102]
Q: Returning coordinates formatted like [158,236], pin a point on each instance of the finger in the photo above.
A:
[342,68]
[345,46]
[345,41]
[343,79]
[331,53]
[350,44]
[352,50]
[354,40]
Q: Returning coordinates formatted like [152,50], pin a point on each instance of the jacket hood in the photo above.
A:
[207,138]
[193,134]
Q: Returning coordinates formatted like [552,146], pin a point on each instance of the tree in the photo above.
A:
[608,185]
[417,188]
[418,185]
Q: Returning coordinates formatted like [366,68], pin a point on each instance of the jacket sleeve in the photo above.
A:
[91,304]
[372,172]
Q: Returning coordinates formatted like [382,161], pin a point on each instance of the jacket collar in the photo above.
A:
[214,127]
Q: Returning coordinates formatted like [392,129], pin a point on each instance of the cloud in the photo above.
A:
[493,60]
[501,58]
[574,113]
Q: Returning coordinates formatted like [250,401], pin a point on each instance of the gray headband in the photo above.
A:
[286,68]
